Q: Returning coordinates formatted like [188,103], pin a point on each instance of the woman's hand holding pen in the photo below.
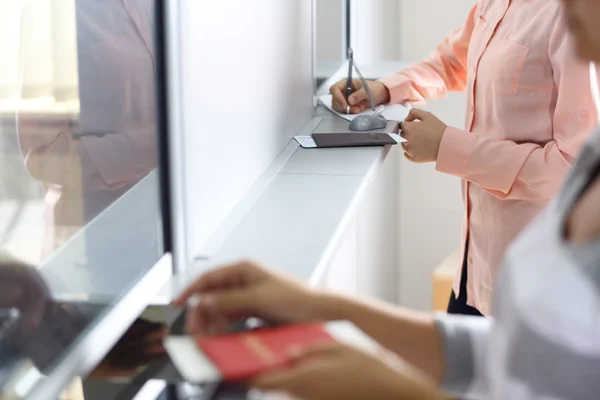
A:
[359,99]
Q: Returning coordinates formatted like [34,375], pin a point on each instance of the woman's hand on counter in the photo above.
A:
[336,371]
[236,292]
[423,132]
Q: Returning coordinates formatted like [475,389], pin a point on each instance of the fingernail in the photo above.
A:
[208,300]
[352,100]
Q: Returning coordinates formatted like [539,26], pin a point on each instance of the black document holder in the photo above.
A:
[352,139]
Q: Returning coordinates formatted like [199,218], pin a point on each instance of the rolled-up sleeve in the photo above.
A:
[445,69]
[465,341]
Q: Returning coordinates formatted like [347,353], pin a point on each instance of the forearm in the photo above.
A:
[503,168]
[445,69]
[412,335]
[410,385]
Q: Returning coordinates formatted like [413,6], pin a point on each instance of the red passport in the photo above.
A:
[241,356]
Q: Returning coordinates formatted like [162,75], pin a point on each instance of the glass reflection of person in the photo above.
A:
[44,330]
[85,165]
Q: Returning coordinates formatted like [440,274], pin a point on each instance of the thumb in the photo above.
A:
[230,301]
[300,354]
[358,97]
[416,114]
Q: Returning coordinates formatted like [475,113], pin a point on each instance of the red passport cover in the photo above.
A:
[242,356]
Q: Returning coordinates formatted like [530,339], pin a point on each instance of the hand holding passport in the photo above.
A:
[308,359]
[243,356]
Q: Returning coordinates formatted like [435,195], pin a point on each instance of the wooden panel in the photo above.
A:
[443,276]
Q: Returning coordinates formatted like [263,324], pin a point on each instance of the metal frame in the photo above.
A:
[347,27]
[313,5]
[171,82]
[90,347]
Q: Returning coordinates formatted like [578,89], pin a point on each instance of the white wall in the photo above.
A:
[258,95]
[375,30]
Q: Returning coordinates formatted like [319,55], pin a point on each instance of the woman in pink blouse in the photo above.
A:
[528,113]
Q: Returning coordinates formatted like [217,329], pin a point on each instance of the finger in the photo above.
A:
[218,324]
[336,106]
[356,85]
[197,321]
[228,276]
[231,301]
[338,96]
[416,114]
[214,313]
[358,97]
[340,108]
[408,128]
[357,109]
[300,354]
[408,157]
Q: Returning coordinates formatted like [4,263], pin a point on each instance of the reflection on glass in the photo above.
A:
[104,141]
[331,41]
[35,331]
[78,190]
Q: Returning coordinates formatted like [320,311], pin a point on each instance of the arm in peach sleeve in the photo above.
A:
[109,162]
[509,170]
[444,70]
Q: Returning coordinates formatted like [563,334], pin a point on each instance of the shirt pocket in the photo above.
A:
[509,60]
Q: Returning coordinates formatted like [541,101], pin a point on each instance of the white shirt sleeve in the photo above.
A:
[465,341]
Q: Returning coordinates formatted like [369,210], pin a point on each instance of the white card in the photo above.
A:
[306,141]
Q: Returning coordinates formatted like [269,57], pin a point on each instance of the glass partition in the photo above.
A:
[80,222]
[332,37]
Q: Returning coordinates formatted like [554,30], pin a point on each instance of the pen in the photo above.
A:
[349,81]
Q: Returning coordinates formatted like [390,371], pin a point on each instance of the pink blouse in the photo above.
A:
[529,112]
